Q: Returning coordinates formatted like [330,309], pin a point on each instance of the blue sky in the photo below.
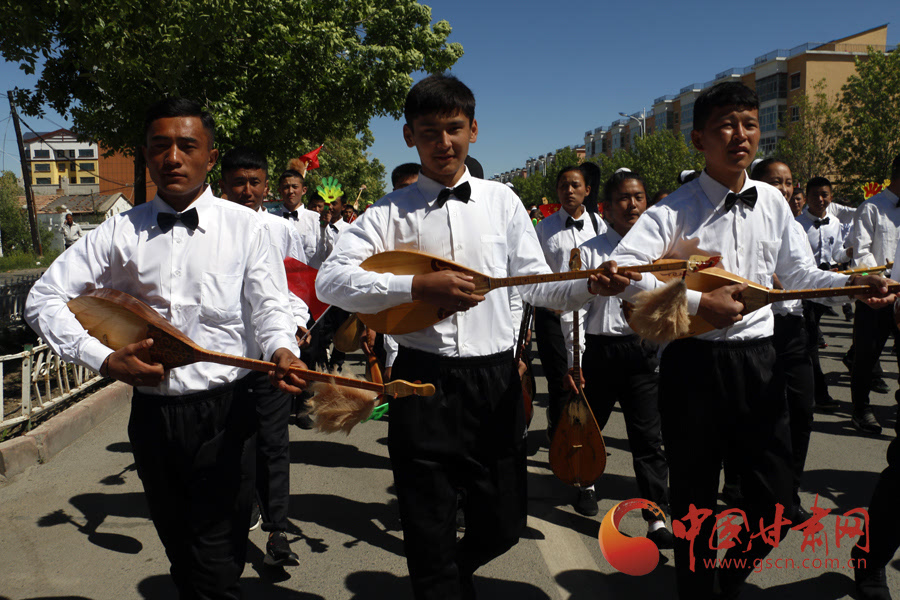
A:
[544,73]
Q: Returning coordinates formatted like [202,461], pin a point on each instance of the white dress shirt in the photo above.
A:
[307,224]
[286,243]
[794,307]
[490,233]
[557,240]
[875,232]
[826,240]
[328,239]
[845,214]
[754,244]
[200,281]
[602,315]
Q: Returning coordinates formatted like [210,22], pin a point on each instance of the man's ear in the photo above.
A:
[408,136]
[213,158]
[474,137]
[697,140]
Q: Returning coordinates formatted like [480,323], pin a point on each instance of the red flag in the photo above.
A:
[548,209]
[302,282]
[312,158]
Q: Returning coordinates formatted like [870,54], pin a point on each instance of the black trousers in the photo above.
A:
[716,395]
[619,369]
[812,314]
[273,460]
[195,457]
[884,528]
[467,436]
[794,365]
[871,328]
[551,348]
[323,335]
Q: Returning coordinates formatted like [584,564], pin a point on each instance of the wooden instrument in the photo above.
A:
[577,452]
[416,315]
[757,296]
[528,387]
[117,320]
[346,338]
[867,270]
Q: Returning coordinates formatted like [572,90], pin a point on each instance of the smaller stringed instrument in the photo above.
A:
[867,270]
[118,320]
[755,296]
[417,315]
[577,451]
[528,387]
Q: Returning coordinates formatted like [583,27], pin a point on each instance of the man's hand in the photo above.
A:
[367,338]
[879,283]
[281,378]
[302,338]
[449,290]
[522,368]
[126,365]
[719,308]
[611,285]
[569,381]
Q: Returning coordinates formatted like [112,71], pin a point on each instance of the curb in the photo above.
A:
[47,440]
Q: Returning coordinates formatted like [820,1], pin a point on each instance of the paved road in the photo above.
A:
[77,527]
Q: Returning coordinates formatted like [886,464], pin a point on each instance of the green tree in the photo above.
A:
[14,230]
[810,141]
[274,73]
[870,136]
[346,159]
[531,189]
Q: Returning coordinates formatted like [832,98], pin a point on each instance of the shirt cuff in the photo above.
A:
[693,301]
[400,288]
[93,353]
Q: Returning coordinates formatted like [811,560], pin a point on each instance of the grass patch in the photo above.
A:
[23,260]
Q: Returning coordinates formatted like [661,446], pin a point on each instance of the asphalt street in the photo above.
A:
[77,526]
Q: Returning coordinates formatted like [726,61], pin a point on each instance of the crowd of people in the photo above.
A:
[211,441]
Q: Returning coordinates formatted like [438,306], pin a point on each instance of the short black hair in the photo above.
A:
[658,196]
[613,183]
[817,182]
[290,173]
[762,166]
[315,197]
[244,157]
[440,95]
[180,107]
[895,169]
[729,93]
[569,169]
[687,176]
[475,168]
[403,171]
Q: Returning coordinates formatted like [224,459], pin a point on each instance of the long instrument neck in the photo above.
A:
[576,350]
[497,282]
[523,331]
[851,290]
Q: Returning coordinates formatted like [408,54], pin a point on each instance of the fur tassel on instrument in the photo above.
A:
[661,315]
[336,408]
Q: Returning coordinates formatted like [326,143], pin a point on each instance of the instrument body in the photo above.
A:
[118,320]
[577,451]
[528,386]
[417,315]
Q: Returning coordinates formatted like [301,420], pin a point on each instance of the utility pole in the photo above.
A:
[26,179]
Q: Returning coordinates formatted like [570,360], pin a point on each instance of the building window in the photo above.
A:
[87,180]
[61,167]
[795,113]
[85,166]
[767,145]
[687,113]
[60,154]
[72,166]
[71,154]
[771,87]
[770,118]
[795,81]
[89,153]
[42,154]
[42,168]
[43,181]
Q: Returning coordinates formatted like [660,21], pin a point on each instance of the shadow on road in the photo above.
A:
[160,587]
[94,509]
[378,585]
[335,454]
[368,522]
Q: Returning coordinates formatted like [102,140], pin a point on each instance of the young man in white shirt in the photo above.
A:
[245,180]
[291,188]
[469,434]
[874,238]
[203,264]
[71,231]
[718,391]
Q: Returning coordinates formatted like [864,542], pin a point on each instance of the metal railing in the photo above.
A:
[13,293]
[46,382]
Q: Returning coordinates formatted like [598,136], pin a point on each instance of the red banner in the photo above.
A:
[302,282]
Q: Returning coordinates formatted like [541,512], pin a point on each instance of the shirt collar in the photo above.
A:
[202,204]
[564,216]
[431,188]
[716,192]
[813,218]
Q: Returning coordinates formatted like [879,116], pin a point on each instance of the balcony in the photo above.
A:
[666,98]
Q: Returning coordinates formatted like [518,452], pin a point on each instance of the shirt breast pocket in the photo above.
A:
[766,261]
[220,296]
[888,233]
[494,255]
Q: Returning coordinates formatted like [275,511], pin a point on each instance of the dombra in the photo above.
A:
[417,315]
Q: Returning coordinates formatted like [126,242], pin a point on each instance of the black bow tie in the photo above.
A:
[748,197]
[461,192]
[333,226]
[288,214]
[570,222]
[821,222]
[189,219]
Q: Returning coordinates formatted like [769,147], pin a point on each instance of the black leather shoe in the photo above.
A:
[663,538]
[586,503]
[278,551]
[879,386]
[847,363]
[871,584]
[827,404]
[866,422]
